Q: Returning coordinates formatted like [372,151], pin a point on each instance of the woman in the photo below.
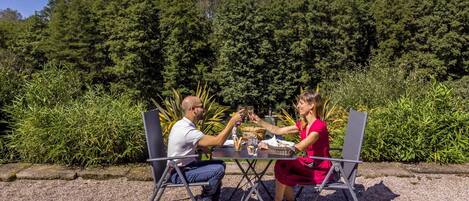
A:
[314,141]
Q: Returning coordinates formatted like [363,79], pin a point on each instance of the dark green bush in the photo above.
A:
[432,128]
[461,89]
[10,84]
[54,121]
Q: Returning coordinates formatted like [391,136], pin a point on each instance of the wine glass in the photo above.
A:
[252,146]
[243,114]
[250,110]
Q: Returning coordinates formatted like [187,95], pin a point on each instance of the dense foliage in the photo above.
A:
[432,128]
[54,121]
[374,55]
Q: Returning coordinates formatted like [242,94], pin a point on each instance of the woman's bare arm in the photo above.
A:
[309,140]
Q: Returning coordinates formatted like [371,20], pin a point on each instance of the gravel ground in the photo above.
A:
[421,187]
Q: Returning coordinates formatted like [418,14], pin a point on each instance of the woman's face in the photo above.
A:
[304,107]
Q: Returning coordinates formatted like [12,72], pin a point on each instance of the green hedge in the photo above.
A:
[55,121]
[431,128]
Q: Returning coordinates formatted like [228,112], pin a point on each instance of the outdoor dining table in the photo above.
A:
[229,153]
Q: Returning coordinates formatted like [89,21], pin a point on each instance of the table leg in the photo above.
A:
[259,178]
[254,182]
[252,190]
[245,175]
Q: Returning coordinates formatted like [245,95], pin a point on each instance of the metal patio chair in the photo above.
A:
[161,165]
[345,168]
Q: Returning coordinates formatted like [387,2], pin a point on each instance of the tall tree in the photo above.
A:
[267,50]
[74,37]
[29,45]
[429,37]
[10,14]
[132,41]
[339,35]
[239,68]
[185,32]
[10,26]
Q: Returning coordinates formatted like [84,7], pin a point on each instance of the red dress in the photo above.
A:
[294,172]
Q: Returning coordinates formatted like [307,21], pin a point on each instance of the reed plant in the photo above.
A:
[59,120]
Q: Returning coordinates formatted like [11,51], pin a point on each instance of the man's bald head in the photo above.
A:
[189,102]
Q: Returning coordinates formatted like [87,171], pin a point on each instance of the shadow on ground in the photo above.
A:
[377,192]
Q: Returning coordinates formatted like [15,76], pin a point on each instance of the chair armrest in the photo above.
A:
[336,159]
[172,158]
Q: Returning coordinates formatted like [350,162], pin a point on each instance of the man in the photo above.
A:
[184,138]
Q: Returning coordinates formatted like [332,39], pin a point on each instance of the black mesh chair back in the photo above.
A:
[156,148]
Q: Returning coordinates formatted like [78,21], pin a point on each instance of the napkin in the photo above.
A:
[276,142]
[228,143]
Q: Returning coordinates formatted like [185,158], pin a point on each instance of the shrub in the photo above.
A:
[431,128]
[372,88]
[460,88]
[55,121]
[95,129]
[11,82]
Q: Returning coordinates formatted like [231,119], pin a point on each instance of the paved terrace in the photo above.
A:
[382,181]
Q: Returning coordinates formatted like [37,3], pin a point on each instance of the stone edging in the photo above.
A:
[142,172]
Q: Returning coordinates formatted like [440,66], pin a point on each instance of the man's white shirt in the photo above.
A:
[183,140]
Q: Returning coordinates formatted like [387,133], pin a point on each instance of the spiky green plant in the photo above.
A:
[171,111]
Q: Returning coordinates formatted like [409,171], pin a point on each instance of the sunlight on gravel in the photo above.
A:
[421,187]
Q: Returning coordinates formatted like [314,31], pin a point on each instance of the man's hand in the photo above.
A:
[218,140]
[238,116]
[254,118]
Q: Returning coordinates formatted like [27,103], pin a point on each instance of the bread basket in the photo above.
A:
[279,151]
[259,132]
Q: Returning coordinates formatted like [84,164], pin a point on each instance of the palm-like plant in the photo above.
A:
[171,111]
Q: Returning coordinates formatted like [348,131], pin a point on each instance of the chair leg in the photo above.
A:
[315,198]
[160,193]
[186,185]
[299,192]
[159,189]
[344,194]
[349,186]
[153,195]
[326,179]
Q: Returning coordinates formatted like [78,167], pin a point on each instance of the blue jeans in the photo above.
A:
[203,171]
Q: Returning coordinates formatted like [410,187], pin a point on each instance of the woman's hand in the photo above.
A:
[262,145]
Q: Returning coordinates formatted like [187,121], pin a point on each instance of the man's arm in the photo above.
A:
[208,140]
